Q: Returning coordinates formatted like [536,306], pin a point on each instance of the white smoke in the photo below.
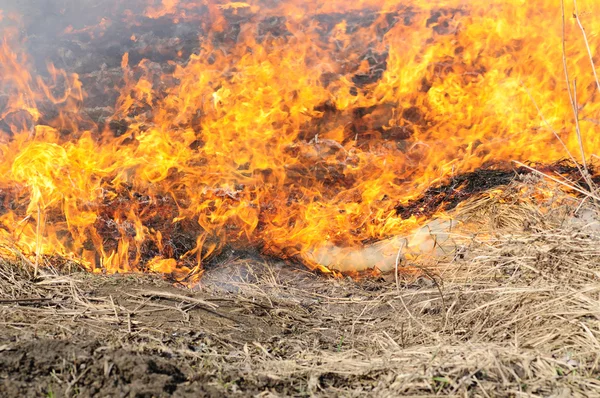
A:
[433,239]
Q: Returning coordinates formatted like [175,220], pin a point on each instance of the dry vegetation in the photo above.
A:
[513,313]
[510,311]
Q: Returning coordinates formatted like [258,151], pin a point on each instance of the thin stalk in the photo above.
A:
[577,129]
[38,242]
[587,44]
[572,97]
[571,186]
[552,129]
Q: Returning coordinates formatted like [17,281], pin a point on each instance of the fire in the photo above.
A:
[293,127]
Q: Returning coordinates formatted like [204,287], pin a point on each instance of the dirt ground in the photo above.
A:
[516,313]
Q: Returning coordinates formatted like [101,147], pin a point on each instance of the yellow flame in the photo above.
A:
[294,140]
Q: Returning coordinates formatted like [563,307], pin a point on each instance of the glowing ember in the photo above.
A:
[296,127]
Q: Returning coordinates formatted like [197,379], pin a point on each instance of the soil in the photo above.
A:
[140,336]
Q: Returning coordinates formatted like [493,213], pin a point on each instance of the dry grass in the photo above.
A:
[516,313]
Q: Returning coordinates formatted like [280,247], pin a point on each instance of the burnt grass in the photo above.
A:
[456,189]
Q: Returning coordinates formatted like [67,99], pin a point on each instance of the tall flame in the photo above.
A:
[294,127]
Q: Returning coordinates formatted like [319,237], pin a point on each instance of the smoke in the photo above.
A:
[433,239]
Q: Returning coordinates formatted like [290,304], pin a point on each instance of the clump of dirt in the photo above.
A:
[86,369]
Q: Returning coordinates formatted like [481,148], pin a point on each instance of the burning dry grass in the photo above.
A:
[512,313]
[509,306]
[301,128]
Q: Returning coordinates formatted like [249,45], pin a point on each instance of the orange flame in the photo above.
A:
[299,133]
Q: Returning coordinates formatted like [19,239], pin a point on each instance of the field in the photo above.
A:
[240,145]
[511,314]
